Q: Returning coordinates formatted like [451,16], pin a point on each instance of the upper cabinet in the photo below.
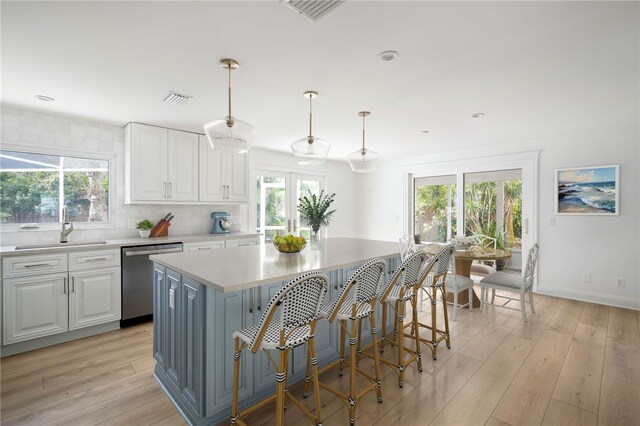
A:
[224,176]
[171,166]
[160,164]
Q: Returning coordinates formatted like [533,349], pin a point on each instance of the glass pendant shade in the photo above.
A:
[228,133]
[311,151]
[234,138]
[363,160]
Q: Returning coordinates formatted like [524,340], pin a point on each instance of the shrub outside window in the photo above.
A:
[35,187]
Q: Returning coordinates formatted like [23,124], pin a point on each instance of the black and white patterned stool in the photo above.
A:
[355,302]
[402,288]
[298,304]
[435,283]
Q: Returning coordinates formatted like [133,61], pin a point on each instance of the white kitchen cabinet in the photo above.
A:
[203,245]
[161,165]
[34,306]
[53,293]
[224,176]
[94,297]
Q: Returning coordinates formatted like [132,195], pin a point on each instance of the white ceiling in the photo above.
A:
[535,69]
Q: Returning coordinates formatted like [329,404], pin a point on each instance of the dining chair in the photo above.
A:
[298,305]
[479,268]
[407,246]
[513,283]
[455,284]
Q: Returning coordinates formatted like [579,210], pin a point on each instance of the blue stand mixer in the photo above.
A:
[221,222]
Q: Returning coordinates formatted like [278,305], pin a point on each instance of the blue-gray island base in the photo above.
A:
[196,313]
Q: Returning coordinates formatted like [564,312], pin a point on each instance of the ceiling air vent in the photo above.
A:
[177,98]
[312,9]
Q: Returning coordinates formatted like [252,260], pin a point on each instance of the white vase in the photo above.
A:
[144,234]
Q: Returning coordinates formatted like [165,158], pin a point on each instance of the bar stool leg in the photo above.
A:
[446,316]
[281,374]
[355,325]
[434,334]
[316,384]
[383,332]
[376,360]
[307,376]
[236,380]
[400,340]
[414,301]
[358,348]
[342,326]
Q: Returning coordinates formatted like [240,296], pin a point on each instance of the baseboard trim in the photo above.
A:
[29,345]
[586,296]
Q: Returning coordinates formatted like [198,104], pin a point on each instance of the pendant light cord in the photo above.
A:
[363,149]
[229,67]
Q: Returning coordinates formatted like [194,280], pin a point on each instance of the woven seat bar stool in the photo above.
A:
[298,304]
[396,293]
[355,303]
[435,283]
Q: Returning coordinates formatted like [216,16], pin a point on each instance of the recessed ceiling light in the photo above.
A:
[388,55]
[477,114]
[44,98]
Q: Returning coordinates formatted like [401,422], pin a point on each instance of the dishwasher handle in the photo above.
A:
[147,252]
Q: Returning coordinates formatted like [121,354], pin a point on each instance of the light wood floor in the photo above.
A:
[572,363]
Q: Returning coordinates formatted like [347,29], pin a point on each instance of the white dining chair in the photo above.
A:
[455,284]
[513,283]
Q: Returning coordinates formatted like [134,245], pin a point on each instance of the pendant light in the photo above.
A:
[310,151]
[229,133]
[363,160]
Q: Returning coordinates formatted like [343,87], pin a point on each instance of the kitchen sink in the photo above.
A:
[50,245]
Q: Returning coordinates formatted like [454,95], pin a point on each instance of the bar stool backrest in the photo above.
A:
[410,273]
[363,285]
[299,302]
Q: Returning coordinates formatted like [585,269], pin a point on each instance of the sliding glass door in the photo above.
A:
[277,195]
[434,208]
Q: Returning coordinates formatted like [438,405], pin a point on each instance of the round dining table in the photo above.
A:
[463,260]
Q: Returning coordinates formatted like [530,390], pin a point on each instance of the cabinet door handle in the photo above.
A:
[259,298]
[36,265]
[170,188]
[227,192]
[165,190]
[252,302]
[64,285]
[73,284]
[295,225]
[95,259]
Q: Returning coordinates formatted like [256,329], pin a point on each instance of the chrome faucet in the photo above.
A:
[65,221]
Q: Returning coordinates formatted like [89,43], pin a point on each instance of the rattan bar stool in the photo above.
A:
[355,303]
[298,303]
[435,283]
[402,288]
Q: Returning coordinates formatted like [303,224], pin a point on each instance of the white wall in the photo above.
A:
[60,134]
[606,247]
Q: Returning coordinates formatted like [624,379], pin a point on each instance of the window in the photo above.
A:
[434,208]
[35,187]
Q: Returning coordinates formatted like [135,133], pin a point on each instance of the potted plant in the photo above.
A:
[144,227]
[314,211]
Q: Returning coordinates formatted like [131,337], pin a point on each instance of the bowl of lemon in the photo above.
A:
[289,244]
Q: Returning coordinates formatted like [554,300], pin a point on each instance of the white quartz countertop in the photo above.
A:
[239,268]
[123,242]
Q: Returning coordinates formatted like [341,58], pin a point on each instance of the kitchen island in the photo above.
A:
[201,298]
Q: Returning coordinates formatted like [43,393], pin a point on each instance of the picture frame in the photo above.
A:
[587,191]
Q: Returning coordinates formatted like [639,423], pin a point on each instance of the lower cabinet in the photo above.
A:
[34,306]
[94,297]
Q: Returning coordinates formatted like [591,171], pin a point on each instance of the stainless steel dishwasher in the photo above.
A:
[137,281]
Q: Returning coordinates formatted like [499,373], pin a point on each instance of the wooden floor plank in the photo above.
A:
[623,339]
[173,420]
[474,403]
[567,316]
[619,396]
[595,315]
[560,413]
[523,403]
[144,415]
[581,375]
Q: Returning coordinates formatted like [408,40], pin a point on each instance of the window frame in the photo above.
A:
[48,150]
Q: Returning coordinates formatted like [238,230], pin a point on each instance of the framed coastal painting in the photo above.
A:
[588,191]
